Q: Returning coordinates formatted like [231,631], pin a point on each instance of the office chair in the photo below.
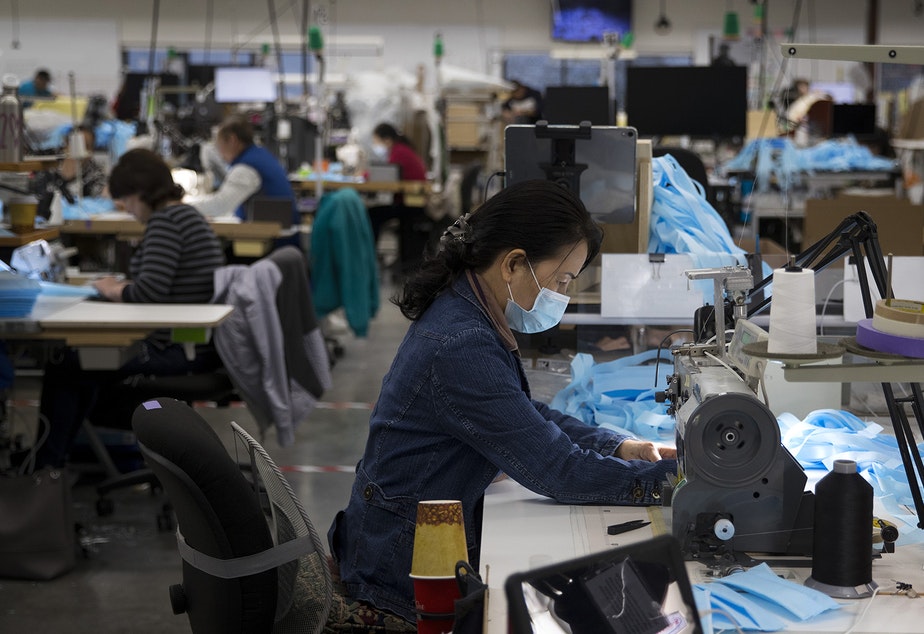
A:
[252,560]
[214,386]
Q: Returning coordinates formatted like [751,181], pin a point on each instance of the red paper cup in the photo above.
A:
[434,600]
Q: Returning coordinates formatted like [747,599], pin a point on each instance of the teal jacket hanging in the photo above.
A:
[344,271]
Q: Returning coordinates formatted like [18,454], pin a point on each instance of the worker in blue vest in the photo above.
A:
[253,171]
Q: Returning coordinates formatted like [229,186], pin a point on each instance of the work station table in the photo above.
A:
[103,330]
[125,229]
[522,530]
[364,187]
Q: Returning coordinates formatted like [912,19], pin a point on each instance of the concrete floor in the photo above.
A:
[121,584]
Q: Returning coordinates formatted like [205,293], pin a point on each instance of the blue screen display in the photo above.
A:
[588,20]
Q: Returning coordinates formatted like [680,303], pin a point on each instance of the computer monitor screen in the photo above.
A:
[570,105]
[839,91]
[601,168]
[699,101]
[589,20]
[641,588]
[853,118]
[244,85]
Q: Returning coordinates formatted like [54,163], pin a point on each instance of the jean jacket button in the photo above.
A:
[367,492]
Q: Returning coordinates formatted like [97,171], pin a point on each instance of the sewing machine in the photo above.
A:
[739,490]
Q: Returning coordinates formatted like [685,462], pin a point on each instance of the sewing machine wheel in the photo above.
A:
[735,440]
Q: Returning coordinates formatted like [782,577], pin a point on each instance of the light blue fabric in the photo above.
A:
[703,599]
[747,614]
[547,311]
[53,289]
[781,161]
[83,209]
[800,601]
[682,220]
[618,395]
[827,435]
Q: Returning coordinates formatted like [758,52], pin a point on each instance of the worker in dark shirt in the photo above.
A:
[390,145]
[175,263]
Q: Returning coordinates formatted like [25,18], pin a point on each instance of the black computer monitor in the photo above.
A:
[596,162]
[853,118]
[570,105]
[698,101]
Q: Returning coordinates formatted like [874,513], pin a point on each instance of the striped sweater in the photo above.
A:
[175,261]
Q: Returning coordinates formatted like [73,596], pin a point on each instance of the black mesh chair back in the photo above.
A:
[218,514]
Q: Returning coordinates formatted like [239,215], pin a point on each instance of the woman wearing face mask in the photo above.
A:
[390,146]
[455,407]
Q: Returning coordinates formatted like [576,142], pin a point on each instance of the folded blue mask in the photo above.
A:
[802,602]
[747,614]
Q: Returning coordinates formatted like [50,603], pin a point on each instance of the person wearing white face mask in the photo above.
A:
[455,408]
[390,146]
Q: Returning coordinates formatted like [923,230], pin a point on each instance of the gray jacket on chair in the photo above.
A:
[271,345]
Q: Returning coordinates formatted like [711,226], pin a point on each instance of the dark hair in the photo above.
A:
[144,173]
[388,132]
[43,75]
[537,216]
[239,127]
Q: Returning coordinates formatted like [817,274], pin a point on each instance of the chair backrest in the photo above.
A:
[270,209]
[223,515]
[305,584]
[218,514]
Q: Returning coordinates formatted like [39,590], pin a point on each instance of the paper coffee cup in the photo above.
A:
[21,212]
[439,539]
[435,603]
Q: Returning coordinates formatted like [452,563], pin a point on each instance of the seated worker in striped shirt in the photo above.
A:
[174,263]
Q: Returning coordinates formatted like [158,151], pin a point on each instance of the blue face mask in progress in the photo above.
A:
[547,310]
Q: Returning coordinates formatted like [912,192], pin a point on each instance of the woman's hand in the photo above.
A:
[111,288]
[644,450]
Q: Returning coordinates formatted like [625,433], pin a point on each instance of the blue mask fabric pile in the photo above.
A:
[758,599]
[779,160]
[619,395]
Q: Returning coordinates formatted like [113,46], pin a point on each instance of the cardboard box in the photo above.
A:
[900,223]
[463,134]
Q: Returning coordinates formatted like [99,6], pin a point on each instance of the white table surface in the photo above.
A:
[101,315]
[522,530]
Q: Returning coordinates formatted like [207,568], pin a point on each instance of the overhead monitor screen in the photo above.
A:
[244,85]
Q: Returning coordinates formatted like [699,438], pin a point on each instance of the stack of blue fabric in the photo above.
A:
[17,295]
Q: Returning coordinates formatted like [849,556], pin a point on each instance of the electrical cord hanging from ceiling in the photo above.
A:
[155,19]
[274,24]
[209,18]
[14,23]
[777,82]
[303,36]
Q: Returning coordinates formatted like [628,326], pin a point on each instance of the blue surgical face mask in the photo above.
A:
[380,151]
[547,310]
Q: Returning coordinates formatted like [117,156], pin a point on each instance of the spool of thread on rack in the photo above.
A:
[792,312]
[842,542]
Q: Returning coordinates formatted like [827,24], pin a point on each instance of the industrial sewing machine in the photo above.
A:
[739,490]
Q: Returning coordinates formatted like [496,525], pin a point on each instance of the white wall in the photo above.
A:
[474,30]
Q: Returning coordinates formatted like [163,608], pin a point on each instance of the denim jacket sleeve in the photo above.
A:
[478,386]
[603,441]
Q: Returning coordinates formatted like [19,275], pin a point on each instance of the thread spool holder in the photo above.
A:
[858,236]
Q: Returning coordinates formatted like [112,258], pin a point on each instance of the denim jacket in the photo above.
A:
[454,411]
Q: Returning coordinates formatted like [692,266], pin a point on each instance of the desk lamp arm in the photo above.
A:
[854,235]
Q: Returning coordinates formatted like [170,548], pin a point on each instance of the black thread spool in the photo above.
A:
[842,541]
